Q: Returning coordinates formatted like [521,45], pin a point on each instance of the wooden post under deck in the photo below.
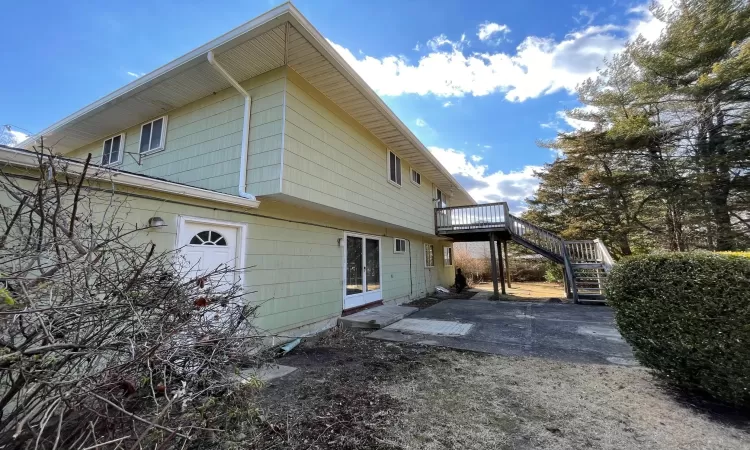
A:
[502,269]
[507,266]
[493,264]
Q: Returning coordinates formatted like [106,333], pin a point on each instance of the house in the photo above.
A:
[264,149]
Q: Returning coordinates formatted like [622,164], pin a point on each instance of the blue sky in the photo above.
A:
[478,82]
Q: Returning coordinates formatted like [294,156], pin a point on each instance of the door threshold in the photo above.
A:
[359,308]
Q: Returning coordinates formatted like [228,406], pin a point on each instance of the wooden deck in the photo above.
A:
[585,262]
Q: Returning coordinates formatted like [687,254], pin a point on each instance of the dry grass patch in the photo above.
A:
[478,402]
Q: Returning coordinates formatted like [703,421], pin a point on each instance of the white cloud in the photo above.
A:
[577,124]
[488,29]
[487,146]
[539,65]
[485,186]
[447,104]
[421,123]
[11,137]
[136,75]
[476,158]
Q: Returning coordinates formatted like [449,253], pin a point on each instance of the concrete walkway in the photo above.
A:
[567,332]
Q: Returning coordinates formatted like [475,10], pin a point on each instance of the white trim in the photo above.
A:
[400,168]
[241,249]
[425,255]
[119,152]
[364,256]
[394,245]
[162,141]
[27,159]
[411,177]
[451,253]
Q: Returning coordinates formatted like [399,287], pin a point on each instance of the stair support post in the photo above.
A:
[493,264]
[502,266]
[571,275]
[507,266]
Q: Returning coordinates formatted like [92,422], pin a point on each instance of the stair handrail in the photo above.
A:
[513,228]
[607,261]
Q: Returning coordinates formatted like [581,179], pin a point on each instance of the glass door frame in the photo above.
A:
[365,297]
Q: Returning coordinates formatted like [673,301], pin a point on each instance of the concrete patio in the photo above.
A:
[567,332]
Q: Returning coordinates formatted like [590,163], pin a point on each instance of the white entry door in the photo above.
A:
[362,271]
[207,246]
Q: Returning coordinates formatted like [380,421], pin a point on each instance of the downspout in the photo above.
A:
[245,126]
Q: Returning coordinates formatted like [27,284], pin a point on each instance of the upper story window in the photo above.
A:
[153,135]
[429,255]
[112,150]
[416,177]
[399,245]
[394,168]
[440,200]
[447,256]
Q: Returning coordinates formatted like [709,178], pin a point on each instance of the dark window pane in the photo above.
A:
[372,264]
[353,265]
[114,155]
[145,138]
[398,170]
[195,241]
[221,241]
[392,165]
[156,134]
[107,151]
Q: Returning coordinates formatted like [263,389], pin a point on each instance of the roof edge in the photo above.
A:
[193,55]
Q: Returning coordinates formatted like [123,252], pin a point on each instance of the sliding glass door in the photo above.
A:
[362,272]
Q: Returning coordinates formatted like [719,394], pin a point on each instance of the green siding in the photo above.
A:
[203,140]
[331,160]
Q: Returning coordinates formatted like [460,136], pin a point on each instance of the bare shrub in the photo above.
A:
[104,342]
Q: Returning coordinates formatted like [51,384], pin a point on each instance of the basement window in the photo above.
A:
[416,177]
[394,168]
[153,135]
[429,255]
[112,150]
[399,245]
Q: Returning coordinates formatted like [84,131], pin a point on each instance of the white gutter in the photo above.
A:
[245,125]
[27,159]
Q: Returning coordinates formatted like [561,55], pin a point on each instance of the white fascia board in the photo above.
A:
[21,158]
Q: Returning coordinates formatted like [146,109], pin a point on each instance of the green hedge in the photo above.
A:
[687,315]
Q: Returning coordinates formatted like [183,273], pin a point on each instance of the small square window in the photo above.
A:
[429,255]
[394,168]
[153,135]
[447,256]
[112,150]
[399,245]
[416,177]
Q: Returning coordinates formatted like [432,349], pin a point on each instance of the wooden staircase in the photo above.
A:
[586,263]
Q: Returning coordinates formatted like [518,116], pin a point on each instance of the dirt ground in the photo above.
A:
[351,392]
[529,291]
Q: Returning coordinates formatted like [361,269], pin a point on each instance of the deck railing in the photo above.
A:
[538,236]
[470,218]
[594,252]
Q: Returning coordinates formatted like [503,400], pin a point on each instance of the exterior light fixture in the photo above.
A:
[156,222]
